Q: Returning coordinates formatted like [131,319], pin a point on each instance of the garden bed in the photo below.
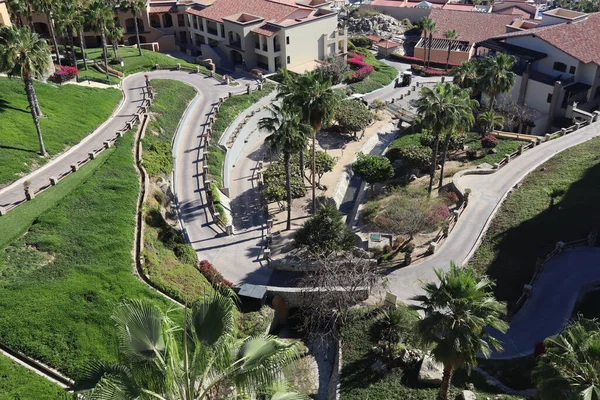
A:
[381,76]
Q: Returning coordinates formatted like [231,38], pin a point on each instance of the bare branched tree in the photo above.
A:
[337,283]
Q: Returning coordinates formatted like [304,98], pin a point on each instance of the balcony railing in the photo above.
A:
[212,31]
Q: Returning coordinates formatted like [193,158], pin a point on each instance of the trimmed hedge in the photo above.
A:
[418,61]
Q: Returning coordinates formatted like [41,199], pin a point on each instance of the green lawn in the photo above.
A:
[504,146]
[172,98]
[17,382]
[168,260]
[134,63]
[360,382]
[72,112]
[382,76]
[60,282]
[525,227]
[94,75]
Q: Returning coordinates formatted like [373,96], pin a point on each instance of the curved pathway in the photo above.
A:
[487,194]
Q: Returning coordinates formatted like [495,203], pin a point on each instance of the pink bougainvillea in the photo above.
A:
[64,73]
[364,69]
[212,275]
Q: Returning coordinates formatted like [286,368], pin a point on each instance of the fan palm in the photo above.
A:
[497,76]
[438,111]
[570,367]
[489,120]
[317,103]
[209,365]
[68,20]
[288,135]
[20,9]
[99,14]
[464,119]
[466,76]
[428,25]
[24,54]
[47,7]
[451,35]
[136,7]
[114,33]
[457,312]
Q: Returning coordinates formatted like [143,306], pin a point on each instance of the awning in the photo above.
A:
[518,51]
[578,87]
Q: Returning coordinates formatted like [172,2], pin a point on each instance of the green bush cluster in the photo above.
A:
[219,210]
[255,323]
[216,159]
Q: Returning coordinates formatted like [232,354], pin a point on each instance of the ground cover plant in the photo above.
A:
[61,281]
[17,382]
[169,261]
[503,147]
[556,202]
[71,113]
[381,76]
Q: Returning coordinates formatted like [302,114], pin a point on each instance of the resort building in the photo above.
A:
[558,67]
[4,16]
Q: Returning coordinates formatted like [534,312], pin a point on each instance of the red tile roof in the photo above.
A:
[470,26]
[578,39]
[266,30]
[387,44]
[162,9]
[375,38]
[269,10]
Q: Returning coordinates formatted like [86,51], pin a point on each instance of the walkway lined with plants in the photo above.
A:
[487,194]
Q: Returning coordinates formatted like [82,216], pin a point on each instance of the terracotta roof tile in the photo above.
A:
[162,9]
[387,44]
[470,26]
[266,30]
[577,39]
[269,10]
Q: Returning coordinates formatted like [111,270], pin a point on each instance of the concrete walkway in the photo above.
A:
[564,278]
[487,193]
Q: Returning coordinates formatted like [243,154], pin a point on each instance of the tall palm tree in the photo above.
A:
[24,54]
[464,107]
[457,312]
[136,7]
[211,360]
[489,120]
[451,35]
[288,135]
[68,19]
[497,76]
[466,76]
[114,33]
[317,103]
[82,11]
[428,26]
[437,110]
[570,367]
[99,15]
[47,7]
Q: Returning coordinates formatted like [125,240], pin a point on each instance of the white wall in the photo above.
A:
[306,41]
[546,65]
[537,95]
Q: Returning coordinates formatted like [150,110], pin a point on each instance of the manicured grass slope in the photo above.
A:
[172,98]
[524,227]
[359,381]
[60,282]
[382,76]
[17,382]
[72,112]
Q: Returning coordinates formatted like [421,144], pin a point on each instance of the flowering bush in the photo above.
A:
[489,141]
[362,73]
[356,60]
[433,72]
[418,61]
[256,72]
[438,213]
[211,274]
[333,69]
[64,73]
[450,198]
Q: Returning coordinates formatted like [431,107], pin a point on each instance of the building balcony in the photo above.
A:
[236,45]
[212,31]
[277,48]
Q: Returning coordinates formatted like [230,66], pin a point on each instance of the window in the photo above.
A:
[287,40]
[558,66]
[180,20]
[288,59]
[549,98]
[572,70]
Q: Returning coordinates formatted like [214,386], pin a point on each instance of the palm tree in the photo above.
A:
[464,119]
[114,33]
[451,35]
[288,135]
[466,76]
[47,7]
[457,312]
[210,362]
[570,367]
[489,120]
[24,54]
[497,76]
[81,10]
[99,15]
[68,19]
[20,9]
[428,26]
[317,103]
[437,110]
[136,7]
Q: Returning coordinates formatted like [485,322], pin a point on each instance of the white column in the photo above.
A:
[270,52]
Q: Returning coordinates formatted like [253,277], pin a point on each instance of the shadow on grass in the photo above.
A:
[4,105]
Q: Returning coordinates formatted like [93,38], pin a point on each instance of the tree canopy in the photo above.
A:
[325,232]
[372,169]
[353,116]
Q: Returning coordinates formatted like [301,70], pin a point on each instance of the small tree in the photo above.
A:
[325,232]
[353,116]
[333,69]
[413,157]
[372,169]
[324,164]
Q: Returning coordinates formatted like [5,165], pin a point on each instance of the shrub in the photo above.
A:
[361,74]
[434,72]
[450,198]
[360,41]
[64,73]
[116,60]
[333,69]
[418,157]
[489,141]
[212,275]
[325,231]
[418,61]
[256,72]
[457,141]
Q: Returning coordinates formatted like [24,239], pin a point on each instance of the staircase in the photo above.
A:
[217,55]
